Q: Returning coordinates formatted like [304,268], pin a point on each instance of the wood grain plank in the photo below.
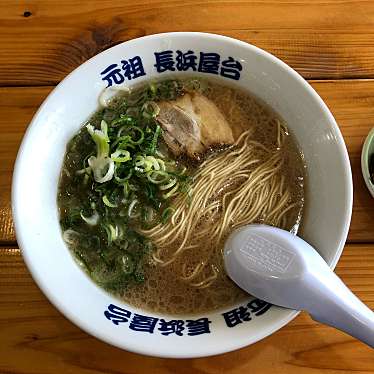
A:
[316,54]
[352,103]
[320,39]
[36,338]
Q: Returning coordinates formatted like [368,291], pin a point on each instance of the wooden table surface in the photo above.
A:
[329,42]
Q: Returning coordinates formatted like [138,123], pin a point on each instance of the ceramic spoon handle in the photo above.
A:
[333,304]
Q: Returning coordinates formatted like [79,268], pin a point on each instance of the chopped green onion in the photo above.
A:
[129,120]
[153,88]
[112,232]
[116,156]
[92,220]
[154,175]
[171,192]
[167,213]
[168,185]
[128,181]
[127,264]
[85,179]
[131,208]
[141,137]
[100,137]
[101,164]
[108,203]
[124,179]
[123,142]
[153,144]
[70,236]
[150,109]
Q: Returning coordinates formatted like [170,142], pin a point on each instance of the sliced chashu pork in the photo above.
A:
[192,124]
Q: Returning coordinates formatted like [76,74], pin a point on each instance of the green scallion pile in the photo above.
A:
[118,176]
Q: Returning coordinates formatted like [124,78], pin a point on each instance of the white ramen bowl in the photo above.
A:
[328,198]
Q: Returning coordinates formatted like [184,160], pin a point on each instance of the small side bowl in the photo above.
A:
[366,153]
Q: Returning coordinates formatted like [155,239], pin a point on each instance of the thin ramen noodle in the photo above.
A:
[153,185]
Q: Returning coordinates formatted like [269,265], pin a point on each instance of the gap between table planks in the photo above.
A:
[320,39]
[57,346]
[351,102]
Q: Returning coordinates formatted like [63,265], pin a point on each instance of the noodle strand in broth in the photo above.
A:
[158,178]
[240,185]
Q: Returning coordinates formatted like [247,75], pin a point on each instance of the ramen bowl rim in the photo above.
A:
[276,325]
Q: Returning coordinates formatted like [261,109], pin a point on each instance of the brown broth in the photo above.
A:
[162,290]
